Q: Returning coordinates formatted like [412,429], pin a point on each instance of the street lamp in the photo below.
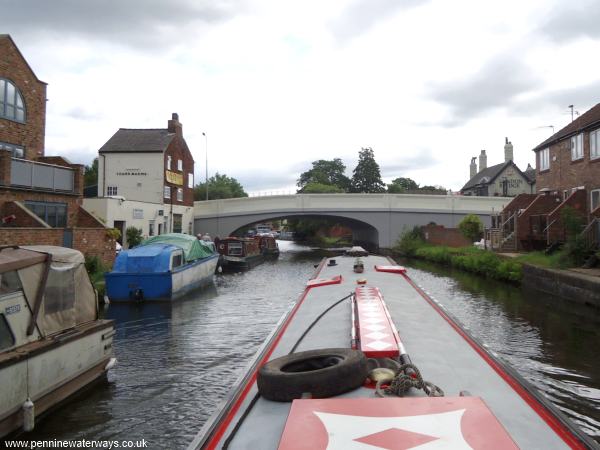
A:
[206,165]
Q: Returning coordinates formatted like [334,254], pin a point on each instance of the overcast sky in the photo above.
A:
[277,84]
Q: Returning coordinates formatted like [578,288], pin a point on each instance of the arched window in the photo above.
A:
[11,102]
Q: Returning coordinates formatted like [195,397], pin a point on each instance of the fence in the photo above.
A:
[37,175]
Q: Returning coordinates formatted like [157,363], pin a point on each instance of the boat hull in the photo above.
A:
[162,286]
[50,371]
[236,263]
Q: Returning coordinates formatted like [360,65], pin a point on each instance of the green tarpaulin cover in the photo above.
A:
[192,248]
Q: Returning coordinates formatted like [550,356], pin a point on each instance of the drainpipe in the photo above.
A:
[103,175]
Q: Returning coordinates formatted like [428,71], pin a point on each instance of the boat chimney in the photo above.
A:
[473,167]
[482,161]
[508,151]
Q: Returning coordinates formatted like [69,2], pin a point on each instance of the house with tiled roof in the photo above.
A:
[504,179]
[567,177]
[145,180]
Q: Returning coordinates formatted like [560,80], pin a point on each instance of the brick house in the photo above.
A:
[146,180]
[40,196]
[567,175]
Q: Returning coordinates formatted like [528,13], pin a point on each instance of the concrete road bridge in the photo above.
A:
[378,219]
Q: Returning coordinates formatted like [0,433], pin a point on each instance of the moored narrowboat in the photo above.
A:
[268,245]
[164,267]
[240,253]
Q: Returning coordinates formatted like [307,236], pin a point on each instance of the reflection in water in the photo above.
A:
[178,360]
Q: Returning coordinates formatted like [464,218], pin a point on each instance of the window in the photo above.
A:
[177,223]
[9,282]
[545,159]
[234,248]
[177,260]
[169,162]
[179,195]
[167,193]
[577,147]
[191,180]
[59,294]
[179,165]
[54,214]
[595,199]
[16,150]
[151,228]
[11,102]
[7,339]
[595,144]
[111,190]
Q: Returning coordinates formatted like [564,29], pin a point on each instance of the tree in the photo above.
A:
[471,227]
[219,186]
[90,176]
[400,185]
[319,188]
[133,236]
[366,176]
[434,190]
[325,172]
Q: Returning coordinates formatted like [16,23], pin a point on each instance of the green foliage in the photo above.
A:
[113,233]
[325,172]
[319,188]
[133,236]
[576,249]
[471,227]
[90,175]
[366,177]
[93,264]
[219,187]
[410,241]
[400,185]
[556,260]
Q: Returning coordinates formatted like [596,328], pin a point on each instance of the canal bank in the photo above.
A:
[177,361]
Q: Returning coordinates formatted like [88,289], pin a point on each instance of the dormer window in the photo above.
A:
[12,106]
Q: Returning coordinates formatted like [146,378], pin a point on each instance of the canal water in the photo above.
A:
[177,361]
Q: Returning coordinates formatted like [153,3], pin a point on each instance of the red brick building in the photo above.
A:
[567,176]
[40,196]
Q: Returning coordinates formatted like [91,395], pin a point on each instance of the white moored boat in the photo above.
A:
[52,342]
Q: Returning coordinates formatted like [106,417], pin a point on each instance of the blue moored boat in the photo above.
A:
[164,267]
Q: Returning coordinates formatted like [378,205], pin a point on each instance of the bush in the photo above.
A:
[93,264]
[410,241]
[133,236]
[471,227]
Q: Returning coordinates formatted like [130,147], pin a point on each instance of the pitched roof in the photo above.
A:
[586,120]
[530,173]
[485,176]
[127,140]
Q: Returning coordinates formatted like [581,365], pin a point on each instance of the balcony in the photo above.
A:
[38,176]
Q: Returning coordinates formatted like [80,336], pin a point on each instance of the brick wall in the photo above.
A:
[30,134]
[31,236]
[95,242]
[72,201]
[22,217]
[178,149]
[565,174]
[440,235]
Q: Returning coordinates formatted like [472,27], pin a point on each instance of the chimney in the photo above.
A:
[482,161]
[508,151]
[473,166]
[174,126]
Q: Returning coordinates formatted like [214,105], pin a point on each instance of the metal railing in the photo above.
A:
[36,175]
[591,234]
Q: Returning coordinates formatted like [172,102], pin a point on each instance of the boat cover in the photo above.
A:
[69,297]
[192,247]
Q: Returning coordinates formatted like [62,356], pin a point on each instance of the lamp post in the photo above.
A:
[206,165]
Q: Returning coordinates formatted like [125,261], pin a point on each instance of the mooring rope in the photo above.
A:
[403,381]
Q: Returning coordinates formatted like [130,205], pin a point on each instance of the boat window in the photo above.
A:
[177,260]
[9,282]
[60,290]
[234,248]
[7,339]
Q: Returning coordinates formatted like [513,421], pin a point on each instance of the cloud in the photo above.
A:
[417,161]
[577,20]
[496,85]
[362,15]
[136,23]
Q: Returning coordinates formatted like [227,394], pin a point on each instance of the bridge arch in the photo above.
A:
[387,214]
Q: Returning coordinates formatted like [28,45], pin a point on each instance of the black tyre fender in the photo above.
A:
[322,373]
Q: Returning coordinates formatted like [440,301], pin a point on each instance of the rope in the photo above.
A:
[403,381]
